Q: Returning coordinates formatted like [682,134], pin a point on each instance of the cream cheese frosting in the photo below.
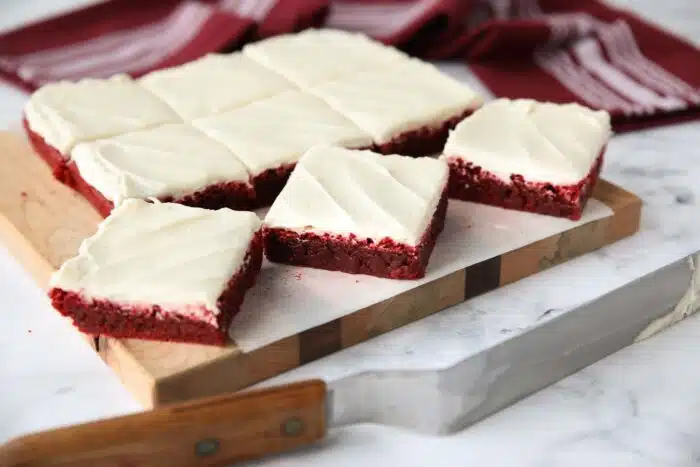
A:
[317,55]
[178,257]
[66,113]
[168,160]
[277,131]
[393,100]
[341,191]
[543,142]
[214,83]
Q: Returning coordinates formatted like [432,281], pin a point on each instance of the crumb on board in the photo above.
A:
[24,194]
[297,276]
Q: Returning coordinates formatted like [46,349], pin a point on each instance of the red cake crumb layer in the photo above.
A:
[238,196]
[424,141]
[56,160]
[102,317]
[267,185]
[472,183]
[94,197]
[234,195]
[353,255]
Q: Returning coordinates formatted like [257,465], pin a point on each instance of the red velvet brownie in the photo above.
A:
[408,107]
[529,156]
[161,271]
[359,212]
[270,135]
[173,162]
[213,84]
[60,115]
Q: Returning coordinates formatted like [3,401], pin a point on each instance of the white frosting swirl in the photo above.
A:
[317,55]
[165,254]
[173,159]
[66,113]
[543,142]
[214,83]
[406,96]
[277,131]
[345,192]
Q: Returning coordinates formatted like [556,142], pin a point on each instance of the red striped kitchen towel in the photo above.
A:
[561,51]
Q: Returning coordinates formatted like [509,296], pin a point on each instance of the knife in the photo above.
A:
[221,430]
[215,431]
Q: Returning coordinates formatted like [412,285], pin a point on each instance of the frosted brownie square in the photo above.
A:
[161,271]
[173,162]
[526,155]
[60,115]
[269,136]
[408,108]
[359,212]
[316,55]
[214,83]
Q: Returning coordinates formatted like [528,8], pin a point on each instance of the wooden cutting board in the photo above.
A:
[43,222]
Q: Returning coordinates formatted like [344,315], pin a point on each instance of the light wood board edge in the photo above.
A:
[245,369]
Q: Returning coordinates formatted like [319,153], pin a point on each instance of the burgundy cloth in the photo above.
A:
[553,50]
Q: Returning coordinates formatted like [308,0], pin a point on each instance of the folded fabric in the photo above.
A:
[581,51]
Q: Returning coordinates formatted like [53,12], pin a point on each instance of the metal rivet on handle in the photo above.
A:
[292,427]
[206,447]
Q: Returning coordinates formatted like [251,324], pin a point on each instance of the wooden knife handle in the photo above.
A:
[207,432]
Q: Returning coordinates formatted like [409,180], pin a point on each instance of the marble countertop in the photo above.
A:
[637,407]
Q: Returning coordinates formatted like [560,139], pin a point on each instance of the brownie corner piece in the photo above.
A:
[65,113]
[59,115]
[530,156]
[161,271]
[359,212]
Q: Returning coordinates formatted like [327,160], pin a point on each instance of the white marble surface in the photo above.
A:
[638,407]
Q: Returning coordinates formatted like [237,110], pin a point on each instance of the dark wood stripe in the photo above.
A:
[482,277]
[320,341]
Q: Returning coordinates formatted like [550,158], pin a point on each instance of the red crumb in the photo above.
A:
[51,155]
[297,276]
[469,182]
[422,141]
[24,194]
[234,195]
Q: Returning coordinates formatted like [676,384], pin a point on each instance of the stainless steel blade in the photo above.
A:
[445,400]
